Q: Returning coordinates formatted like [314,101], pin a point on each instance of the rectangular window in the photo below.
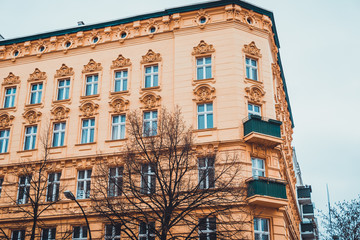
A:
[58,134]
[24,189]
[150,123]
[147,231]
[206,173]
[1,183]
[118,127]
[30,137]
[18,235]
[251,69]
[91,85]
[83,186]
[88,130]
[121,79]
[36,92]
[53,187]
[151,76]
[258,167]
[112,232]
[4,140]
[115,181]
[48,234]
[207,228]
[254,109]
[205,115]
[9,100]
[63,89]
[80,233]
[148,179]
[261,229]
[203,68]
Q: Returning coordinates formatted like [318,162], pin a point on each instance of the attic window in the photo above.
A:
[123,34]
[16,53]
[67,44]
[95,39]
[41,48]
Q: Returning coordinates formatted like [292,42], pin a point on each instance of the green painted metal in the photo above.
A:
[307,227]
[267,187]
[304,192]
[257,124]
[308,209]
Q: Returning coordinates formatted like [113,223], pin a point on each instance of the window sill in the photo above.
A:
[90,96]
[120,92]
[4,154]
[157,88]
[61,101]
[84,144]
[34,105]
[195,81]
[58,147]
[205,130]
[116,140]
[26,151]
[248,80]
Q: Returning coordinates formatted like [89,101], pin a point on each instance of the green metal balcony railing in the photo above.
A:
[307,227]
[267,187]
[255,123]
[304,192]
[308,209]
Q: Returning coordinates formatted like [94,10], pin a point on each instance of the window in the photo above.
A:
[48,234]
[148,179]
[147,231]
[150,123]
[58,134]
[53,187]
[36,92]
[83,186]
[1,183]
[88,130]
[118,127]
[254,109]
[151,76]
[9,100]
[63,89]
[91,85]
[30,137]
[207,228]
[258,167]
[18,235]
[24,189]
[4,140]
[80,233]
[206,173]
[115,181]
[203,68]
[112,232]
[121,78]
[205,115]
[261,229]
[251,69]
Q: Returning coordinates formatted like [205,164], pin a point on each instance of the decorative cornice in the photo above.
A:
[203,48]
[5,120]
[150,57]
[120,62]
[64,71]
[37,75]
[251,49]
[32,116]
[92,66]
[60,112]
[88,109]
[11,79]
[150,100]
[119,105]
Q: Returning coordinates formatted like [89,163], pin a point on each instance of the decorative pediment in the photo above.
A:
[32,116]
[251,49]
[120,62]
[88,109]
[204,93]
[5,120]
[11,79]
[150,57]
[92,66]
[150,100]
[203,48]
[255,94]
[60,112]
[64,71]
[118,105]
[37,75]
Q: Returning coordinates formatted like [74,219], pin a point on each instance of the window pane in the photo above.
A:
[200,73]
[124,85]
[147,81]
[201,108]
[209,121]
[208,60]
[201,122]
[209,107]
[208,72]
[254,74]
[155,80]
[247,72]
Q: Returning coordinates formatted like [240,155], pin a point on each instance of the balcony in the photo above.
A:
[308,211]
[262,131]
[267,192]
[304,194]
[307,230]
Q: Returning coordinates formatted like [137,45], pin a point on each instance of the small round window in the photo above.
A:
[41,48]
[249,20]
[67,44]
[123,34]
[95,39]
[202,20]
[16,53]
[152,29]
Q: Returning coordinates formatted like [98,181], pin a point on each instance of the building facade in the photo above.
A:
[218,61]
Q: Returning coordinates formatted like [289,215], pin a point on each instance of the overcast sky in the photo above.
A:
[320,54]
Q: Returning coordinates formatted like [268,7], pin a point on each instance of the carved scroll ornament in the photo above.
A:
[255,94]
[5,120]
[251,49]
[204,93]
[118,105]
[92,66]
[150,101]
[120,62]
[32,116]
[11,79]
[37,75]
[150,57]
[64,71]
[203,48]
[60,112]
[88,109]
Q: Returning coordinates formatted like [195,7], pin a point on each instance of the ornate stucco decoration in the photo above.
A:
[37,75]
[122,30]
[32,116]
[150,100]
[5,120]
[249,18]
[92,66]
[203,48]
[204,93]
[150,57]
[255,94]
[176,19]
[119,105]
[65,40]
[60,112]
[13,49]
[251,49]
[64,71]
[11,79]
[152,24]
[40,44]
[232,12]
[88,109]
[120,62]
[206,150]
[202,18]
[94,34]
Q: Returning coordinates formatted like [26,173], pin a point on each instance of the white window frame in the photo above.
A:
[261,232]
[83,232]
[32,136]
[88,130]
[256,170]
[115,181]
[250,68]
[205,113]
[66,89]
[208,229]
[148,178]
[152,121]
[37,93]
[4,140]
[147,235]
[204,173]
[26,189]
[252,110]
[86,181]
[203,65]
[94,82]
[21,234]
[121,79]
[49,232]
[118,129]
[61,132]
[10,97]
[53,195]
[113,235]
[152,75]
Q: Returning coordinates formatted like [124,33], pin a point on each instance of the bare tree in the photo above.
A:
[164,186]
